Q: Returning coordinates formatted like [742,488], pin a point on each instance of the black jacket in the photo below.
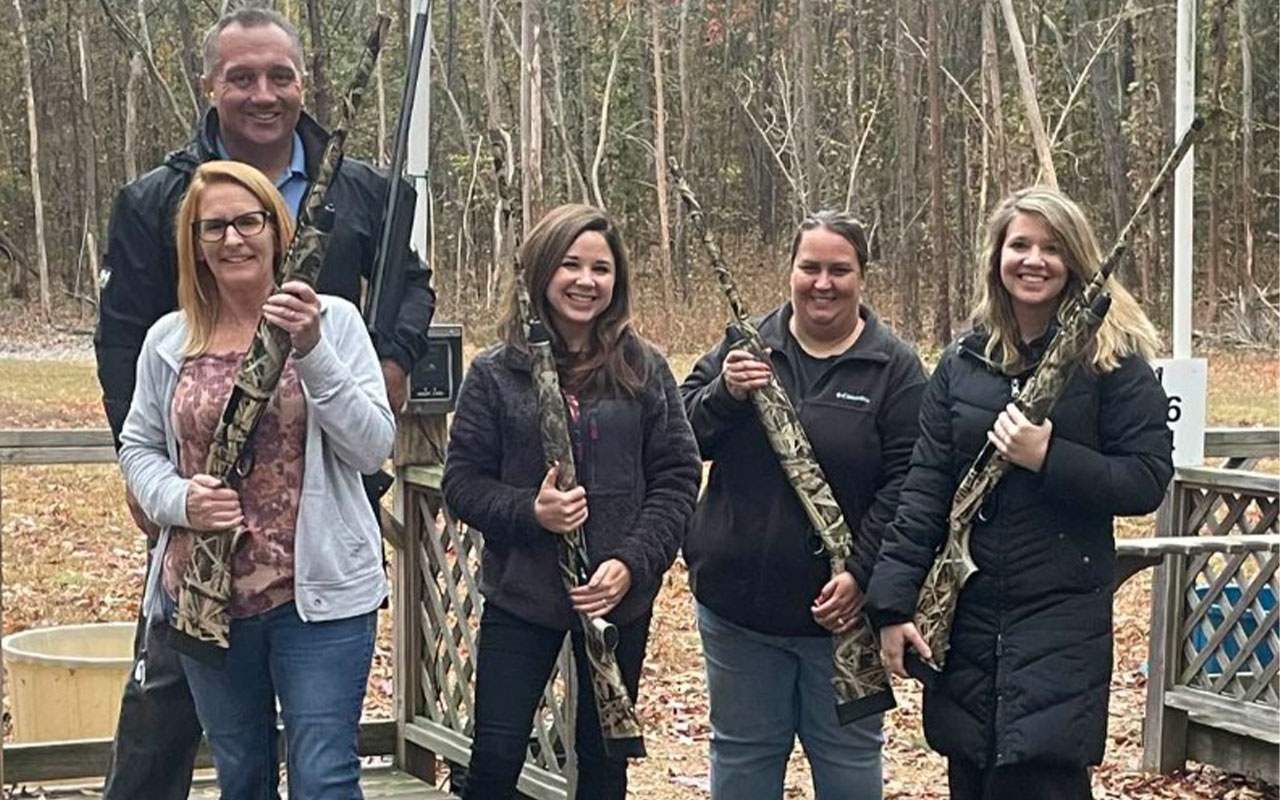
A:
[637,461]
[140,270]
[1028,674]
[751,549]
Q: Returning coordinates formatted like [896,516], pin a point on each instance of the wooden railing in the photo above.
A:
[438,606]
[1213,694]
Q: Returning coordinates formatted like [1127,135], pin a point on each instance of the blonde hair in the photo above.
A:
[197,290]
[1125,330]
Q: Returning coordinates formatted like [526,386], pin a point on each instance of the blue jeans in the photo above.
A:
[318,671]
[766,690]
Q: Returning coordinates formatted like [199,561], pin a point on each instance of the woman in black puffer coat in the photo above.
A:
[1021,707]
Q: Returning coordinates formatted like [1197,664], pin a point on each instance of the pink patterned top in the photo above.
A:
[262,568]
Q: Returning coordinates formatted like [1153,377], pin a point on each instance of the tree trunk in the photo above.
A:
[380,90]
[531,111]
[660,152]
[993,92]
[686,145]
[131,117]
[1027,82]
[1246,143]
[1108,128]
[810,184]
[941,263]
[1213,262]
[319,84]
[89,152]
[908,278]
[37,197]
[190,59]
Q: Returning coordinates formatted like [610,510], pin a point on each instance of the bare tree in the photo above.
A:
[808,182]
[531,110]
[993,91]
[604,117]
[89,153]
[686,144]
[33,150]
[942,322]
[318,80]
[660,150]
[131,117]
[1246,139]
[1027,83]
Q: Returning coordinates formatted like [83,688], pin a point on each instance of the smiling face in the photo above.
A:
[1033,268]
[239,264]
[826,284]
[256,87]
[581,288]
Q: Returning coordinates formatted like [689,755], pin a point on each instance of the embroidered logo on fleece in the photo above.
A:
[860,399]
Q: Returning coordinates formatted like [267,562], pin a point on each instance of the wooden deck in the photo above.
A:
[378,783]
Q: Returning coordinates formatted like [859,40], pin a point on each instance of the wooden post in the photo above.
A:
[420,440]
[1164,729]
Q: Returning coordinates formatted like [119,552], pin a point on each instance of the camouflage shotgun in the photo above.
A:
[860,681]
[201,624]
[619,724]
[1079,319]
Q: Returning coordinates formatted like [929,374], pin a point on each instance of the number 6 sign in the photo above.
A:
[1184,381]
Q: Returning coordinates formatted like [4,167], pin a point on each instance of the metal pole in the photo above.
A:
[418,155]
[1184,178]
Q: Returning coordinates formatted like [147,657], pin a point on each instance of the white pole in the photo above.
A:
[419,131]
[1183,217]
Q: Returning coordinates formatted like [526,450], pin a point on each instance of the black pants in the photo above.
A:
[1039,781]
[513,665]
[158,733]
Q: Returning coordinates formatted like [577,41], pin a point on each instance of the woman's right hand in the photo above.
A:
[557,511]
[893,642]
[744,373]
[211,506]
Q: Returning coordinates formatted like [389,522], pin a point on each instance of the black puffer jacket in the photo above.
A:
[751,549]
[140,269]
[1028,674]
[638,462]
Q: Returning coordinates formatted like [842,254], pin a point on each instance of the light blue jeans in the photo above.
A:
[765,691]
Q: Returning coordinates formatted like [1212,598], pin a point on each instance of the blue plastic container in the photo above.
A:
[1247,624]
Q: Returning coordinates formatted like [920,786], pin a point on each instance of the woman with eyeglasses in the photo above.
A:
[307,579]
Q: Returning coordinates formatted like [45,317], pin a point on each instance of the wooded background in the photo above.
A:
[915,116]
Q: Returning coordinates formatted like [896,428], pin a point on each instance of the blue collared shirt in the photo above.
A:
[293,183]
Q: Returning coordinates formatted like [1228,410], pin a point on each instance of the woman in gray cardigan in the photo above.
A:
[307,578]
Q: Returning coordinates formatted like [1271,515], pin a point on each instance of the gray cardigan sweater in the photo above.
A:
[350,428]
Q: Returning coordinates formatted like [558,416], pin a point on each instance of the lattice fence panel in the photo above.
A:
[1229,630]
[450,616]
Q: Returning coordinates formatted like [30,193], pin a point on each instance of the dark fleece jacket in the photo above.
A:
[638,462]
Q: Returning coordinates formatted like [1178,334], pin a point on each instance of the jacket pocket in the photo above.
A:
[614,436]
[330,549]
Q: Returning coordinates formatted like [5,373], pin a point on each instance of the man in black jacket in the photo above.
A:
[253,79]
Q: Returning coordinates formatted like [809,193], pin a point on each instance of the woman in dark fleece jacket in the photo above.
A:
[1020,709]
[638,467]
[767,603]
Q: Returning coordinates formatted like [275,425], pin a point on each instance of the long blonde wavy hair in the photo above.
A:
[1125,330]
[197,290]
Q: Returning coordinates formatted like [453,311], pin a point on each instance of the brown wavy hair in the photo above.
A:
[197,289]
[614,360]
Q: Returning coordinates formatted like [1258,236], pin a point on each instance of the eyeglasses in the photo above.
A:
[248,224]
